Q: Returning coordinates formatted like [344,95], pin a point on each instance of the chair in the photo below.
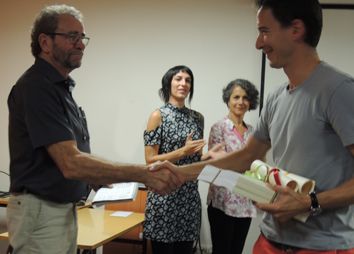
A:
[9,250]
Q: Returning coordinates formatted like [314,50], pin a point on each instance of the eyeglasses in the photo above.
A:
[73,38]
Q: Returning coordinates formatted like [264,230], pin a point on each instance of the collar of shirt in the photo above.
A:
[229,123]
[53,74]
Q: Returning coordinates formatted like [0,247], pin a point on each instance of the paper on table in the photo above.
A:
[121,214]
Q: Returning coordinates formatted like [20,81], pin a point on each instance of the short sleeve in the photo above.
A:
[215,136]
[153,137]
[340,111]
[261,130]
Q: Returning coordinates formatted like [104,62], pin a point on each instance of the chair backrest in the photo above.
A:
[9,250]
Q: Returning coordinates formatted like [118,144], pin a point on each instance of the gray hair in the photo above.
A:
[250,89]
[47,22]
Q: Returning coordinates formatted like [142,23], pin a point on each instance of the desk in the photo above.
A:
[134,236]
[97,227]
[4,202]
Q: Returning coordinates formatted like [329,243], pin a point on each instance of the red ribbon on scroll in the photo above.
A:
[275,172]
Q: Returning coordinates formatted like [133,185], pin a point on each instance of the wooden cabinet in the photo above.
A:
[127,248]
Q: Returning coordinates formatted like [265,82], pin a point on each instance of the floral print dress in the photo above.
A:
[230,203]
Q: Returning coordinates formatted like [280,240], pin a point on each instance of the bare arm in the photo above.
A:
[291,203]
[86,167]
[151,152]
[238,161]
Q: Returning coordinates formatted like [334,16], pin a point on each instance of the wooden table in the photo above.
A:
[97,227]
[4,201]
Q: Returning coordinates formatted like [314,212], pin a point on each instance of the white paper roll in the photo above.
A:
[298,183]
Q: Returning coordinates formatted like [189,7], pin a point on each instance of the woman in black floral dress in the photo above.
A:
[174,133]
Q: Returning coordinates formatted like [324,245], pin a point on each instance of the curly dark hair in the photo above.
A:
[250,89]
[165,90]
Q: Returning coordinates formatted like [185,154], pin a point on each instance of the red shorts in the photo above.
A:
[262,246]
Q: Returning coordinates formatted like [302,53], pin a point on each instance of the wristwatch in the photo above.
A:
[315,207]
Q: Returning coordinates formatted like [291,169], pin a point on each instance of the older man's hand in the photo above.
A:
[167,175]
[162,177]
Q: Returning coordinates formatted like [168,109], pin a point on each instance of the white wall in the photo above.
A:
[133,43]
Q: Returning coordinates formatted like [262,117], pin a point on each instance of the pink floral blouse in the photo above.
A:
[230,203]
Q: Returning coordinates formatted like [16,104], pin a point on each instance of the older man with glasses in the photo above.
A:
[50,161]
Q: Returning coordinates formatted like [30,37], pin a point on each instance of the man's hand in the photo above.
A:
[162,178]
[168,165]
[289,204]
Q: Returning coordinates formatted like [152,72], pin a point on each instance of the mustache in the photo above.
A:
[76,52]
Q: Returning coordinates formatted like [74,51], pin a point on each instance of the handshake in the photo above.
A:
[164,177]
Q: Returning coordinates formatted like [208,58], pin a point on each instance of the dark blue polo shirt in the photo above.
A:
[42,111]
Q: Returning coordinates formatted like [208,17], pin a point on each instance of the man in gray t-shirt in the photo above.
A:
[308,122]
[309,128]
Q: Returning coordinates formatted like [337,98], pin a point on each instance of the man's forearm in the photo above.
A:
[338,197]
[238,161]
[92,169]
[89,168]
[231,161]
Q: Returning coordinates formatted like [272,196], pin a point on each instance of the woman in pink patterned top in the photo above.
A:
[230,214]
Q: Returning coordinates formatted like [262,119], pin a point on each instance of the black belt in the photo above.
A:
[23,192]
[26,191]
[283,247]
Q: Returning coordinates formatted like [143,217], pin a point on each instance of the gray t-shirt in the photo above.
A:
[309,128]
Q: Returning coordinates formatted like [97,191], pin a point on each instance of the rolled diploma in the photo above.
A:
[284,180]
[262,170]
[305,185]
